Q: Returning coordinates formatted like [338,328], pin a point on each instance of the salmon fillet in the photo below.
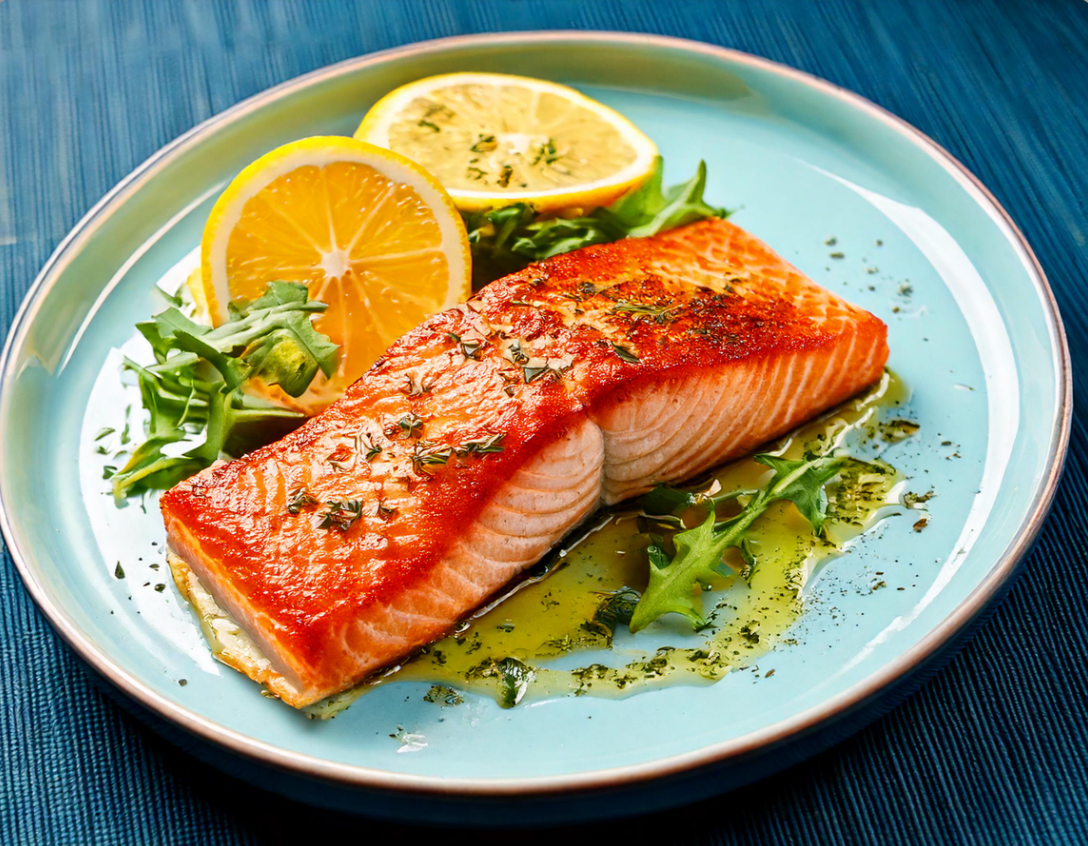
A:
[480,438]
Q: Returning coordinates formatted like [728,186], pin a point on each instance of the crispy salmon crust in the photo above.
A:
[479,439]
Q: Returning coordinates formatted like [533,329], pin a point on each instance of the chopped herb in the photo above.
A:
[504,177]
[384,511]
[531,374]
[838,255]
[615,609]
[513,676]
[624,354]
[299,499]
[411,424]
[750,632]
[429,125]
[898,430]
[159,588]
[372,449]
[547,153]
[340,514]
[104,433]
[516,354]
[659,313]
[538,371]
[425,455]
[912,500]
[442,695]
[416,389]
[491,443]
[118,571]
[484,144]
[470,348]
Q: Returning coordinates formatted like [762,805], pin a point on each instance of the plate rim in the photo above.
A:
[358,776]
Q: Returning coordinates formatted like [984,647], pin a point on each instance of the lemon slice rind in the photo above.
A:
[376,125]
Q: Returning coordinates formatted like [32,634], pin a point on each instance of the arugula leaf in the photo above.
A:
[648,210]
[803,483]
[507,239]
[698,559]
[699,550]
[195,384]
[665,499]
[271,337]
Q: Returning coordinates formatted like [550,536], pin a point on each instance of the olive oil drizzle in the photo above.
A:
[531,642]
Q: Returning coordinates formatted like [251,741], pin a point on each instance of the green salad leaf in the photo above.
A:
[699,550]
[507,239]
[195,384]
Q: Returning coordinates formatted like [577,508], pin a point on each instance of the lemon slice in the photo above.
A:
[493,139]
[372,234]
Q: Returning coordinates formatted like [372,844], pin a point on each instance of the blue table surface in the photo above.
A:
[993,750]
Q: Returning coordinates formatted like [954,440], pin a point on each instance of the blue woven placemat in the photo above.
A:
[994,750]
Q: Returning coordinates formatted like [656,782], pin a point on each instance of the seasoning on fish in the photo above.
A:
[480,438]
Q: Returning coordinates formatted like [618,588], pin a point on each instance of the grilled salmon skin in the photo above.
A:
[479,439]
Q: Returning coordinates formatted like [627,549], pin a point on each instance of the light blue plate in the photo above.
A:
[973,330]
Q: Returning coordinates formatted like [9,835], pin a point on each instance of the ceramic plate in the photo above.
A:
[974,332]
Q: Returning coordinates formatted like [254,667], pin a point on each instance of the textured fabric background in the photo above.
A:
[994,750]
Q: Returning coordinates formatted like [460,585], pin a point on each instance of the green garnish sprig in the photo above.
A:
[298,500]
[699,550]
[470,347]
[195,384]
[426,455]
[340,514]
[410,425]
[659,314]
[481,446]
[509,238]
[624,354]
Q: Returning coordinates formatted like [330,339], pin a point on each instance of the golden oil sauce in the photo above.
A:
[511,649]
